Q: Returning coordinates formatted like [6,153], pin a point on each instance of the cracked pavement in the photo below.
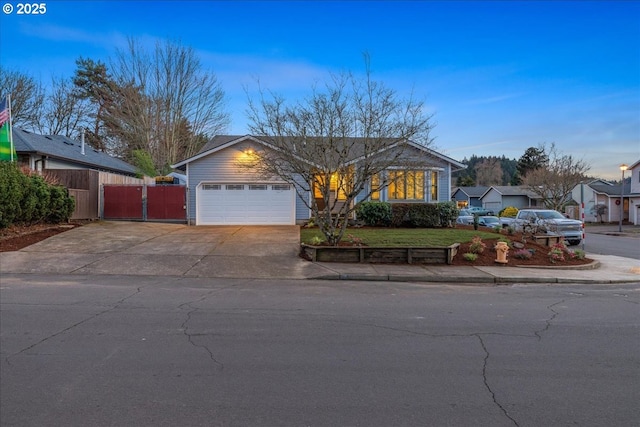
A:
[124,350]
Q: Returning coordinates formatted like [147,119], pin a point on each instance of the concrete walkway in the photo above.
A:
[256,252]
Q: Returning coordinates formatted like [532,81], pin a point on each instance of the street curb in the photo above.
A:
[466,280]
[591,266]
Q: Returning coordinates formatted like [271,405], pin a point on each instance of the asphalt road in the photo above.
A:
[117,350]
[603,244]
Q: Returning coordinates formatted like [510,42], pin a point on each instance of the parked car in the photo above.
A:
[465,217]
[550,222]
[476,210]
[489,221]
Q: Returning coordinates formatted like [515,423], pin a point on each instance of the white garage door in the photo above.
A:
[242,203]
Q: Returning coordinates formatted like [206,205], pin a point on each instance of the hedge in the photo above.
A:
[420,215]
[29,198]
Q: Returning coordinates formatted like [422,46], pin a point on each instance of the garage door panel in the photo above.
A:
[238,203]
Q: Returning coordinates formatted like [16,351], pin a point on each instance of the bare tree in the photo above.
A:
[554,181]
[27,96]
[600,210]
[164,102]
[489,172]
[64,113]
[337,143]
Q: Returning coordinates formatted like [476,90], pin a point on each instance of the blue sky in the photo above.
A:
[499,76]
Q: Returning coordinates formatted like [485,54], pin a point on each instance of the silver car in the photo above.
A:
[465,217]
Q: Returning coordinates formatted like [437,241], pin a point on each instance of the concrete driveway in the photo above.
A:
[136,248]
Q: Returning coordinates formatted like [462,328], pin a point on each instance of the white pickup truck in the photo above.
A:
[545,221]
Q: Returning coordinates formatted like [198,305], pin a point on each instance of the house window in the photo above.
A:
[281,187]
[406,185]
[211,186]
[235,187]
[338,186]
[375,187]
[257,186]
[434,186]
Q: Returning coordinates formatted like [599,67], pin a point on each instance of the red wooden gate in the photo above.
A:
[145,202]
[166,202]
[123,202]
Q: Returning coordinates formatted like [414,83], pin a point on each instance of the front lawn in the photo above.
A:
[403,236]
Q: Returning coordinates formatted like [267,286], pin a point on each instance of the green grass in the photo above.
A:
[404,236]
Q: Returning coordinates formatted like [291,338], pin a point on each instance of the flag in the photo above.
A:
[4,112]
[7,150]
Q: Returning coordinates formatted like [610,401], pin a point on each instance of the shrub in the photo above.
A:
[315,240]
[509,211]
[424,215]
[579,254]
[522,254]
[477,246]
[29,197]
[556,255]
[557,252]
[448,212]
[61,205]
[12,188]
[36,200]
[470,256]
[400,214]
[375,213]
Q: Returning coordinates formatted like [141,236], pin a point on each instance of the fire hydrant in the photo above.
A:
[502,248]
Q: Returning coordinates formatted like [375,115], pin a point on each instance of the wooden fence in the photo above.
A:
[84,186]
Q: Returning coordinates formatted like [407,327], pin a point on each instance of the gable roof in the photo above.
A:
[512,190]
[64,148]
[220,142]
[613,189]
[476,191]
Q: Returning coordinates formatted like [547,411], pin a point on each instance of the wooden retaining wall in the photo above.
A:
[381,255]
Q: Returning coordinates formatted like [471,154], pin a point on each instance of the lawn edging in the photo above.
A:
[377,254]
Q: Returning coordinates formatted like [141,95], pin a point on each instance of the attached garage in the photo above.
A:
[243,203]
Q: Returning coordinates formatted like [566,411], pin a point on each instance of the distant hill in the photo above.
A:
[487,171]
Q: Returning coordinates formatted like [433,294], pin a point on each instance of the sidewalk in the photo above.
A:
[236,252]
[607,269]
[628,230]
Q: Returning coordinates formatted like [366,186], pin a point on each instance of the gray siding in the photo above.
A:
[492,199]
[222,166]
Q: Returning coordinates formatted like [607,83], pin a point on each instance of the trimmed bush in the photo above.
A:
[375,213]
[509,211]
[400,214]
[29,198]
[424,215]
[469,256]
[12,188]
[35,203]
[448,213]
[61,205]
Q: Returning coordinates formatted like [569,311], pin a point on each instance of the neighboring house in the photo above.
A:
[468,196]
[497,198]
[41,152]
[220,192]
[609,195]
[79,167]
